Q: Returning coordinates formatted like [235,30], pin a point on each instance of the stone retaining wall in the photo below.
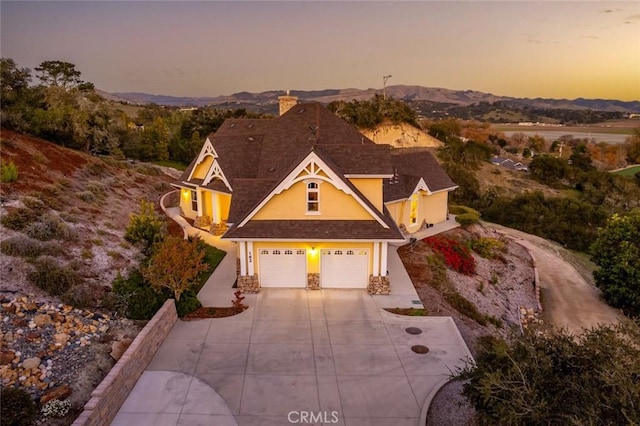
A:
[111,393]
[313,281]
[379,285]
[249,283]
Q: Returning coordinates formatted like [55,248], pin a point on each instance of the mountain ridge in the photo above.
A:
[402,92]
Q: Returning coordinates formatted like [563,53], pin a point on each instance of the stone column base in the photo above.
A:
[248,283]
[313,281]
[379,285]
[218,228]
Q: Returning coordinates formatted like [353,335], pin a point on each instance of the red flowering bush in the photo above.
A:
[456,255]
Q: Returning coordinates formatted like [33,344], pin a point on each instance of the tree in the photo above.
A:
[557,378]
[446,130]
[13,82]
[146,228]
[616,251]
[176,265]
[632,145]
[580,158]
[548,170]
[59,73]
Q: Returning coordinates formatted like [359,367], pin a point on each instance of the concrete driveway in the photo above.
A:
[297,357]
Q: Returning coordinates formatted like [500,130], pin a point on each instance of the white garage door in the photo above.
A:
[283,268]
[344,268]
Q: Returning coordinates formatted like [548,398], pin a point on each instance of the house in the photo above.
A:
[509,164]
[310,202]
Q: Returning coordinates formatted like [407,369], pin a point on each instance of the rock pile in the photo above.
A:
[529,318]
[43,344]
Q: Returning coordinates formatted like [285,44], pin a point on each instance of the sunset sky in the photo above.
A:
[512,48]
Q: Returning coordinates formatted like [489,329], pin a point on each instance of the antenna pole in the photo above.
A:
[384,85]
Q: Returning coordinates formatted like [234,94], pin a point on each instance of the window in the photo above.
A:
[350,253]
[194,200]
[288,252]
[264,252]
[300,252]
[276,252]
[338,252]
[413,213]
[313,199]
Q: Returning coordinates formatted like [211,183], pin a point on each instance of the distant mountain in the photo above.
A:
[267,101]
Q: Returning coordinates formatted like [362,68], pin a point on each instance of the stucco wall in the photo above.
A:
[201,169]
[370,188]
[292,204]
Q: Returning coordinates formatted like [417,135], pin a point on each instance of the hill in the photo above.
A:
[401,135]
[418,95]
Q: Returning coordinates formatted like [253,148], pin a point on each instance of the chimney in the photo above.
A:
[287,102]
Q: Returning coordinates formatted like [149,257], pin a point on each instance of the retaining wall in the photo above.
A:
[111,393]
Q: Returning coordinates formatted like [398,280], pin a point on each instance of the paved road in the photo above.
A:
[568,300]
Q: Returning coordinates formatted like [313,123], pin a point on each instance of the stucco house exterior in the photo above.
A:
[310,202]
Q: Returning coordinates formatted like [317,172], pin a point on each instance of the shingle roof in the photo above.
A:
[314,230]
[411,164]
[255,155]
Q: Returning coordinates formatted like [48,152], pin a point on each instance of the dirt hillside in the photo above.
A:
[401,136]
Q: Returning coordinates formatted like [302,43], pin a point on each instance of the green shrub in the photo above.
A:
[96,188]
[188,303]
[23,246]
[146,228]
[8,172]
[489,248]
[135,297]
[17,407]
[465,216]
[53,278]
[148,170]
[17,219]
[464,306]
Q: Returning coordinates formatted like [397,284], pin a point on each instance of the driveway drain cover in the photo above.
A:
[420,349]
[413,330]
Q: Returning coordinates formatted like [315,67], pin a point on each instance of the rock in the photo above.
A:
[8,337]
[6,357]
[30,363]
[61,338]
[57,317]
[62,392]
[118,348]
[10,309]
[42,320]
[30,306]
[33,336]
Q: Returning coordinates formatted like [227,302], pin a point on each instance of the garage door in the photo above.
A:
[283,268]
[345,268]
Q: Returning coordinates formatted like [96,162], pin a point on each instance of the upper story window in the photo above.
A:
[413,212]
[194,200]
[313,198]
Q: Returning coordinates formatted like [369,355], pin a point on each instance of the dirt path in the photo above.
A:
[568,300]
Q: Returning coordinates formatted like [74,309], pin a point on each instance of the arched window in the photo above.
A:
[313,198]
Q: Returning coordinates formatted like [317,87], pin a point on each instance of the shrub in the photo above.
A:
[489,248]
[82,296]
[146,228]
[616,251]
[51,277]
[87,196]
[557,378]
[188,303]
[8,172]
[464,306]
[56,408]
[465,216]
[23,246]
[35,204]
[17,407]
[456,255]
[17,219]
[176,265]
[135,297]
[96,188]
[50,227]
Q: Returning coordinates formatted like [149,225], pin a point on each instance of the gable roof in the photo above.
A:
[257,156]
[410,167]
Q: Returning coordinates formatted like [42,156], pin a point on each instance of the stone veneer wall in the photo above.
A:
[249,283]
[379,285]
[313,281]
[219,228]
[114,389]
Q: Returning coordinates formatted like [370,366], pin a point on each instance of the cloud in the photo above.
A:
[631,19]
[606,11]
[535,41]
[590,36]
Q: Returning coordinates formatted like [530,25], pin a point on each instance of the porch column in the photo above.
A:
[383,259]
[243,257]
[200,200]
[376,259]
[250,261]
